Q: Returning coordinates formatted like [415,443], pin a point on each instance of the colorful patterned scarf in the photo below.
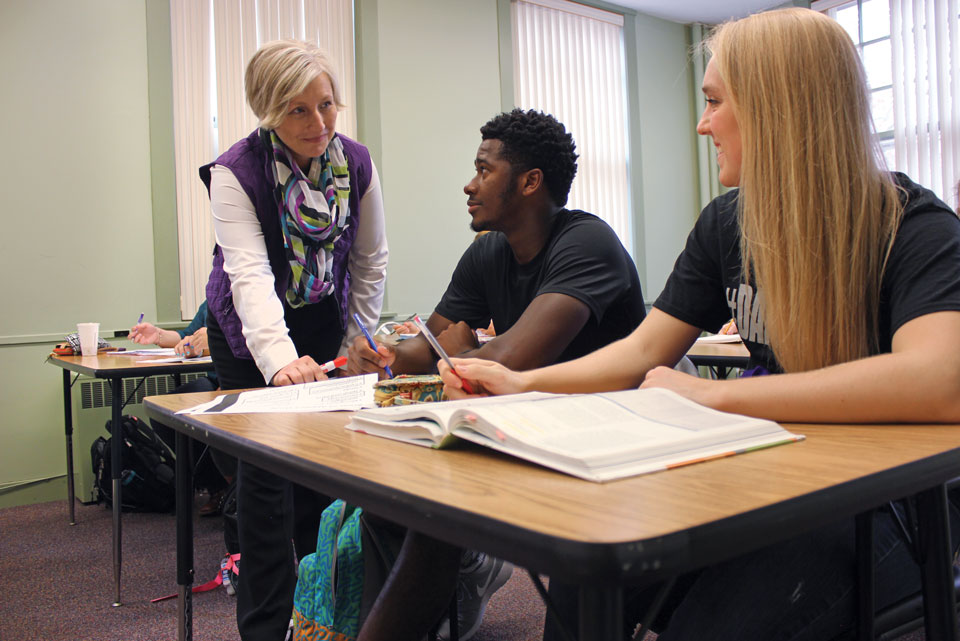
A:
[314,211]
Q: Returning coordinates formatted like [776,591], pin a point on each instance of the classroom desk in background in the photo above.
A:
[113,368]
[600,536]
[719,357]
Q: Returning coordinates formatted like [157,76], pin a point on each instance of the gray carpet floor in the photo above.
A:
[56,581]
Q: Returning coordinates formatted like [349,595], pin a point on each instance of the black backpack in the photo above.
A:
[147,474]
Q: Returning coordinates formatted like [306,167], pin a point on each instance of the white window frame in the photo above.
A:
[569,61]
[925,70]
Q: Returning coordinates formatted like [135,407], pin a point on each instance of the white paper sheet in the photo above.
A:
[155,351]
[720,338]
[179,359]
[346,393]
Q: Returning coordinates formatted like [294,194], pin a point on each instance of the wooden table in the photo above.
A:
[113,368]
[719,357]
[601,536]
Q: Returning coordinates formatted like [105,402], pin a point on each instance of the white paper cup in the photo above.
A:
[89,338]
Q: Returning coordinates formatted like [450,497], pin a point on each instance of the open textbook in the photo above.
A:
[599,437]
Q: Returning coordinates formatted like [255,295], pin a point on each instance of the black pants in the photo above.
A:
[207,472]
[802,589]
[271,511]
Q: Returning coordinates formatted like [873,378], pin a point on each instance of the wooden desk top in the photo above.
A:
[647,525]
[725,350]
[109,365]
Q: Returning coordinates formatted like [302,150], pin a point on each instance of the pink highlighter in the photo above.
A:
[439,350]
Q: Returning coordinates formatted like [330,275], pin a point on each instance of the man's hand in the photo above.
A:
[457,338]
[363,360]
[302,370]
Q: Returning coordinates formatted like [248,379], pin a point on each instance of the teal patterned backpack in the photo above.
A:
[326,605]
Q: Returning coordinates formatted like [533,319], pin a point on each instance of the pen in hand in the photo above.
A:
[370,342]
[435,344]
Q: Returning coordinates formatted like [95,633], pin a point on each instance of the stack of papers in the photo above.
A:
[179,359]
[347,393]
[152,351]
[720,338]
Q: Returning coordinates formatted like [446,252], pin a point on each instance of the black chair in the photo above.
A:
[906,615]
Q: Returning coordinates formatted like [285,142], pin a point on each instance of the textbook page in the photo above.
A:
[346,393]
[615,429]
[425,423]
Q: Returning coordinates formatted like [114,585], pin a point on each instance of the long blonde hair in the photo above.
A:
[817,213]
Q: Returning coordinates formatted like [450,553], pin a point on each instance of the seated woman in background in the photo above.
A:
[843,279]
[301,248]
[189,341]
[213,470]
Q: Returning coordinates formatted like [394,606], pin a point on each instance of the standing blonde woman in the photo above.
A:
[844,280]
[301,247]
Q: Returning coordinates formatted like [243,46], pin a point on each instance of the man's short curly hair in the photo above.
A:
[535,140]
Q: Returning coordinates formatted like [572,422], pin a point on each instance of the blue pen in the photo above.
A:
[140,320]
[370,342]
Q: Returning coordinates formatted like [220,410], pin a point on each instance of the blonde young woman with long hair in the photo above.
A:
[843,279]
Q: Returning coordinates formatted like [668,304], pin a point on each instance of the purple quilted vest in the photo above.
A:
[247,159]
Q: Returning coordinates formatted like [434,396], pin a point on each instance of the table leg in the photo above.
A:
[116,452]
[865,576]
[936,565]
[68,435]
[601,613]
[184,539]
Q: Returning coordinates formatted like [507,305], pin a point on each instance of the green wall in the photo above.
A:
[439,81]
[668,179]
[86,183]
[75,197]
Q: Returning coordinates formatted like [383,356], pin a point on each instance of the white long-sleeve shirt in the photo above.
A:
[245,261]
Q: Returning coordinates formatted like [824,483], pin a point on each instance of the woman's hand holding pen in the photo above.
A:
[144,334]
[361,359]
[193,345]
[729,328]
[487,378]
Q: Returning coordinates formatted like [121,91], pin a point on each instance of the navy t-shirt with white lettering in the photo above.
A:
[706,289]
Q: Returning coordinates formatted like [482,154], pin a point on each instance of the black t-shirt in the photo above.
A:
[583,258]
[705,288]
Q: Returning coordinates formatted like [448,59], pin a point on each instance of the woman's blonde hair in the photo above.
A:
[279,72]
[818,214]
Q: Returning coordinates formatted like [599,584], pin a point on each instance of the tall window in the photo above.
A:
[212,40]
[911,52]
[569,62]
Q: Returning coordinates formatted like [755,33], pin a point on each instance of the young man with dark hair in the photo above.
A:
[556,283]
